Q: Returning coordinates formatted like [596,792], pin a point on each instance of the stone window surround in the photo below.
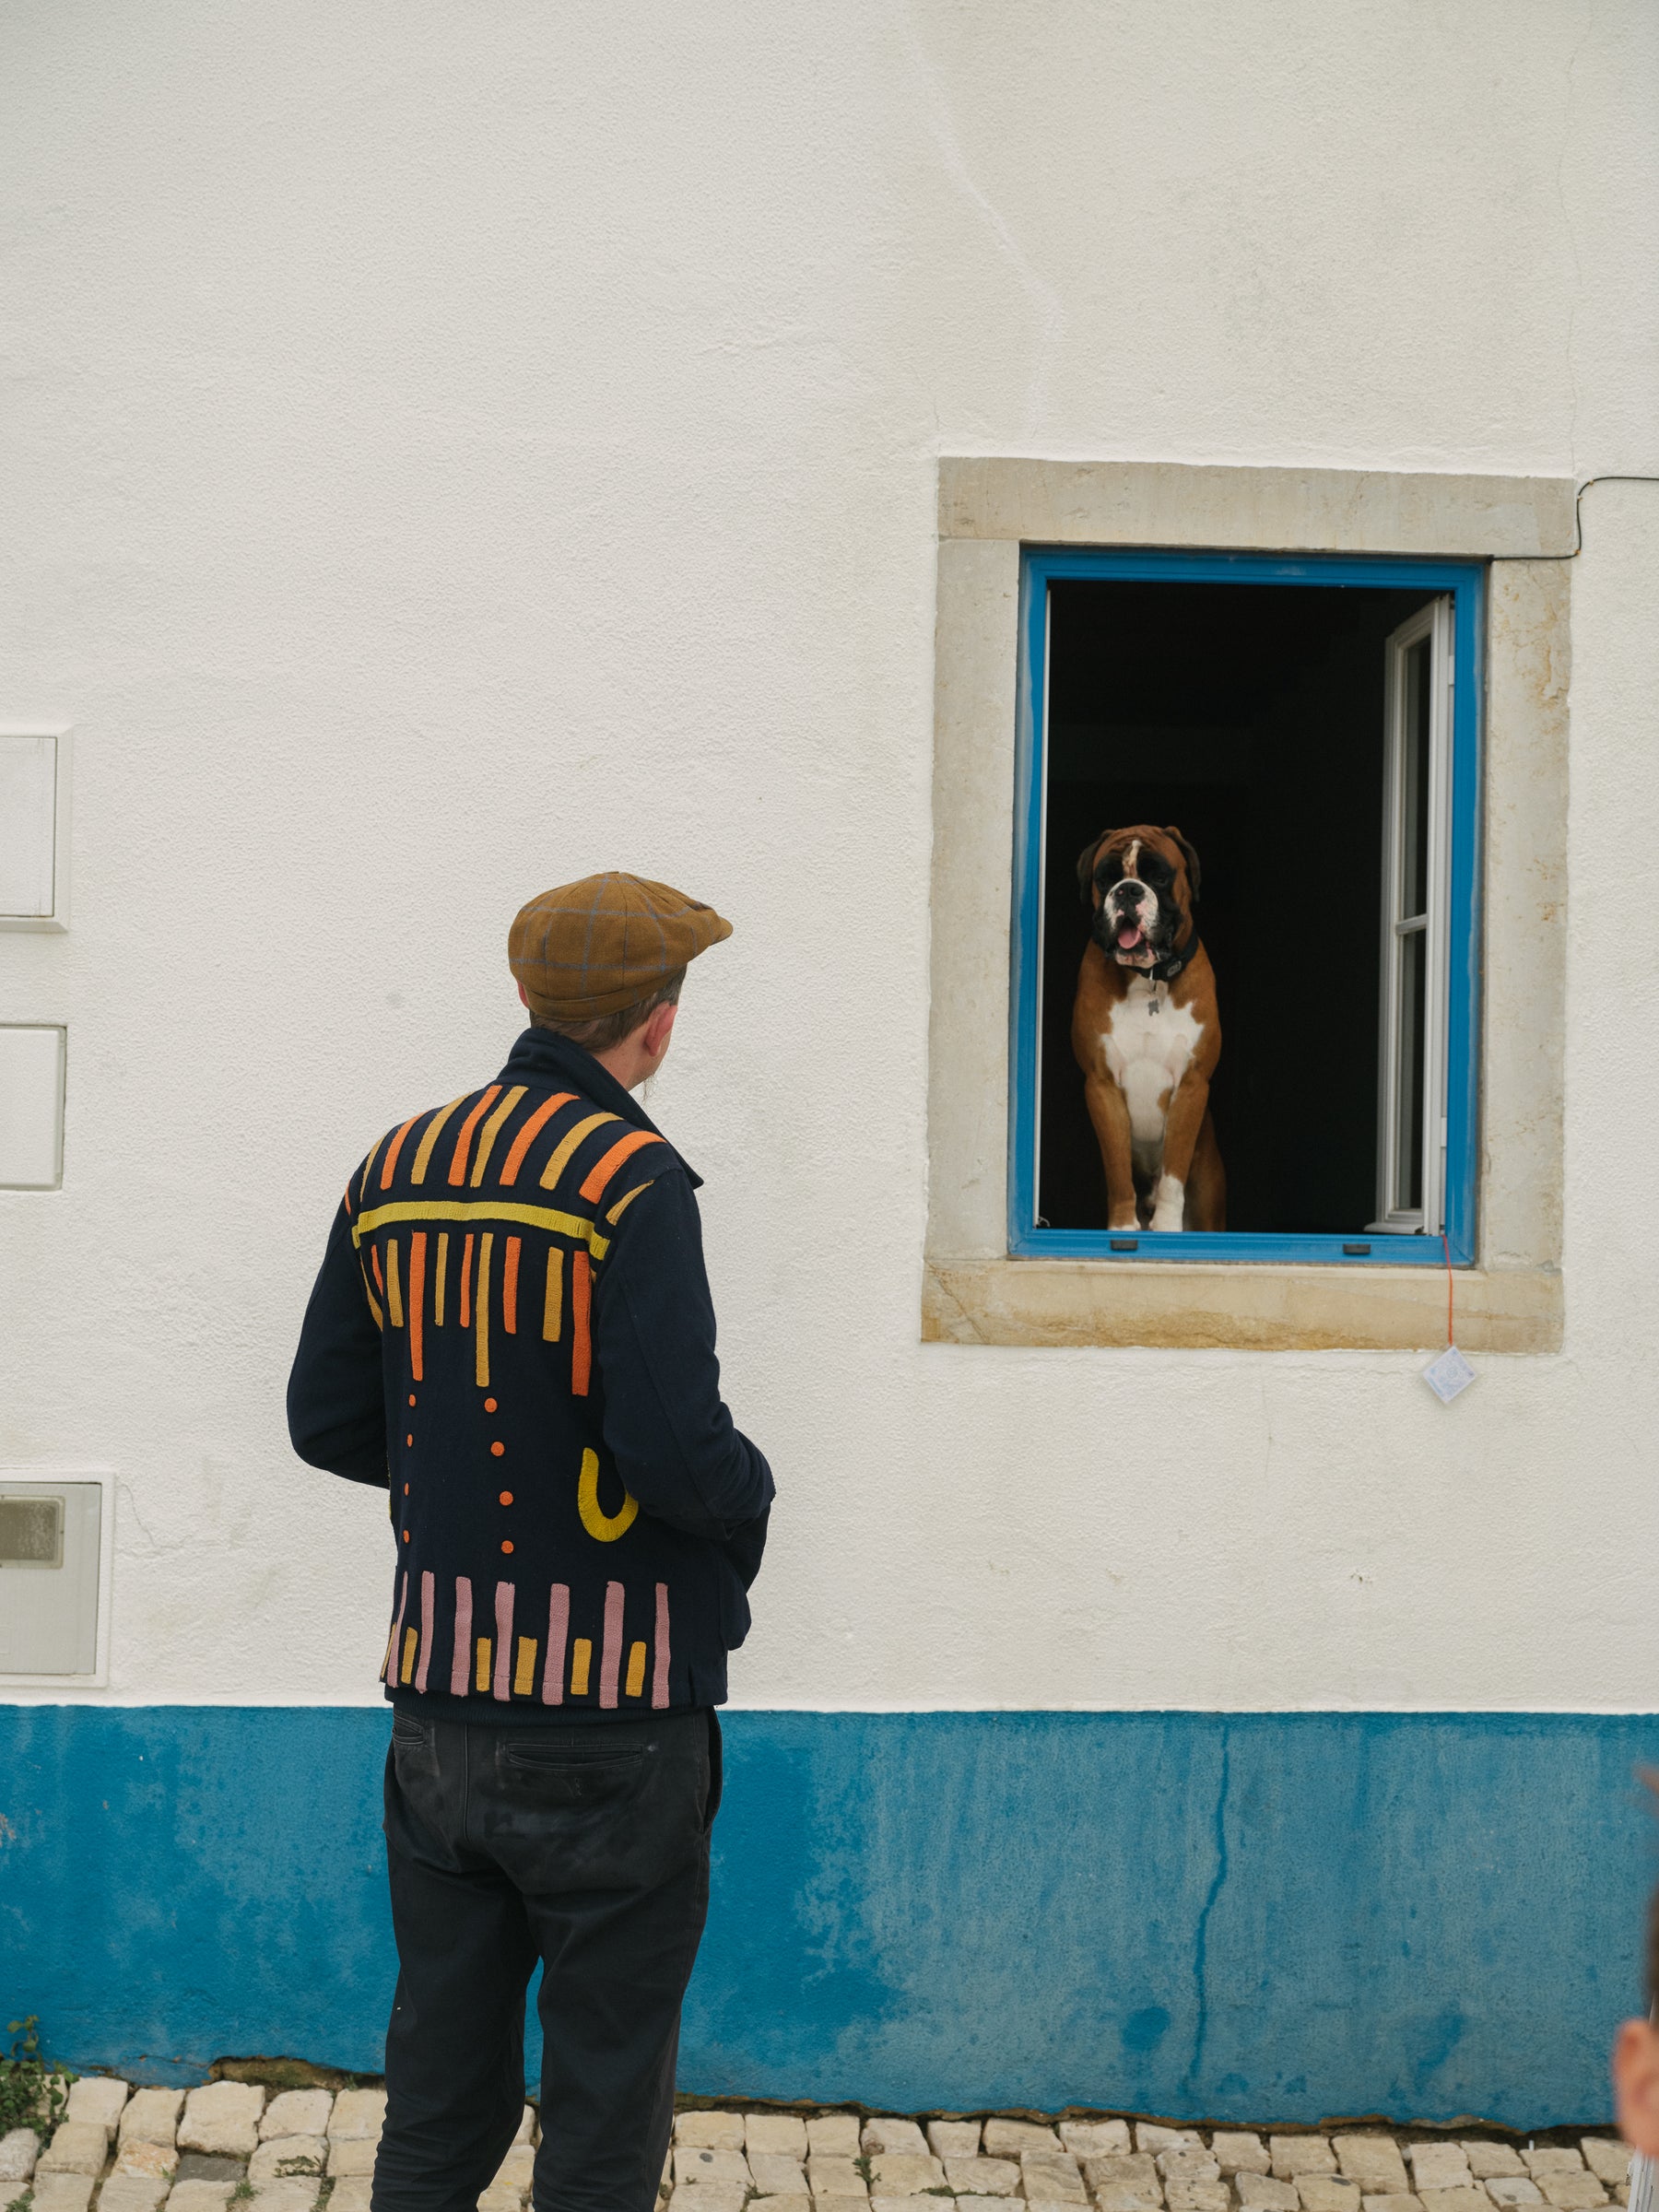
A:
[973,1291]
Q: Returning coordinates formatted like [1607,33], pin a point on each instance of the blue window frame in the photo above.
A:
[1463,583]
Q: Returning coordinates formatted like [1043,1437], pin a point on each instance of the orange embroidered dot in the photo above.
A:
[410,1438]
[490,1404]
[405,1535]
[405,1490]
[411,1397]
[508,1545]
[498,1448]
[506,1497]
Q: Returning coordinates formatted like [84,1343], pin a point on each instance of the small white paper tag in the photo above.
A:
[1449,1374]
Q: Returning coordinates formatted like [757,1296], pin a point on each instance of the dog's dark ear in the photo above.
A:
[1191,858]
[1085,860]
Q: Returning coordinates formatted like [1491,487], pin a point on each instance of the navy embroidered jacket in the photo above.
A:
[513,1329]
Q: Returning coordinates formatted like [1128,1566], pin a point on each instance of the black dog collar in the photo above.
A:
[1171,965]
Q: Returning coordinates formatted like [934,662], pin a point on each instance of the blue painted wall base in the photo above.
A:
[1244,1917]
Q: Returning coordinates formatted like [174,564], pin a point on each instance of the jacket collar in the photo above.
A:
[540,1057]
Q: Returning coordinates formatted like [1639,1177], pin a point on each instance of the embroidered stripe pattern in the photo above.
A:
[428,1599]
[597,1177]
[582,1350]
[510,1268]
[457,1172]
[492,1129]
[623,1202]
[481,1354]
[431,1210]
[438,1285]
[417,1245]
[504,1596]
[558,1629]
[423,1151]
[393,1288]
[659,1681]
[530,1132]
[462,1652]
[610,1658]
[389,1164]
[553,1304]
[559,1160]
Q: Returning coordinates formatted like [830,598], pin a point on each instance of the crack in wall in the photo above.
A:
[1201,1934]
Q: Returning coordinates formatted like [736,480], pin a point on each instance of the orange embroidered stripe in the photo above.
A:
[464,1142]
[379,1318]
[623,1202]
[423,1151]
[492,1130]
[559,1158]
[467,1281]
[417,1244]
[530,1132]
[594,1182]
[349,1198]
[374,1263]
[510,1287]
[581,1350]
[393,1149]
[363,1184]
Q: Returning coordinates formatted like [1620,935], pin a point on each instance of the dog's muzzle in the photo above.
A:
[1131,923]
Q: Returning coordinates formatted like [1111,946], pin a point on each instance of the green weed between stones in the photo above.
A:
[33,2094]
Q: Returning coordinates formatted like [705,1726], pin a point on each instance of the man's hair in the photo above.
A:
[606,1029]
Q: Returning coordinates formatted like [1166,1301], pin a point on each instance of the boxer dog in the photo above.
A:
[1145,1033]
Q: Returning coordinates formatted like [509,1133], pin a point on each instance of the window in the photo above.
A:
[1309,727]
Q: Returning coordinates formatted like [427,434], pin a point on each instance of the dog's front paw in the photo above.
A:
[1171,1202]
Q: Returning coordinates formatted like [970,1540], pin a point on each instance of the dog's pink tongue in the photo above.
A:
[1128,937]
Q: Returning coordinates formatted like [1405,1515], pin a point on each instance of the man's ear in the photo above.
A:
[1187,853]
[1085,860]
[659,1028]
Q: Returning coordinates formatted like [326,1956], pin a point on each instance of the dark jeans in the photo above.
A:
[586,1847]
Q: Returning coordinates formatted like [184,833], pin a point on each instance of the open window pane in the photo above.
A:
[1414,808]
[1410,1071]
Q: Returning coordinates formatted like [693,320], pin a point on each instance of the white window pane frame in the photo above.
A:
[1411,1180]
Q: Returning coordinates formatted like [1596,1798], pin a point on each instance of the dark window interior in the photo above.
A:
[1250,717]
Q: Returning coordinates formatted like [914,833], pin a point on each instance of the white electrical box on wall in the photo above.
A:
[55,1555]
[34,828]
[32,1059]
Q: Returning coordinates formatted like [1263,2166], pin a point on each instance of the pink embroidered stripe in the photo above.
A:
[397,1632]
[558,1629]
[659,1673]
[428,1590]
[503,1654]
[461,1666]
[610,1658]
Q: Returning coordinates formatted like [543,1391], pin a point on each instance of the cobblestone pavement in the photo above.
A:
[231,2143]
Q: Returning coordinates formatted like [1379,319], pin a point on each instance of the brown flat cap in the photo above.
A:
[587,948]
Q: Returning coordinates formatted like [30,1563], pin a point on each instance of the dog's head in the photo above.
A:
[1140,887]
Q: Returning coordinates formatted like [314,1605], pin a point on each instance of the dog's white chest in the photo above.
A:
[1148,1043]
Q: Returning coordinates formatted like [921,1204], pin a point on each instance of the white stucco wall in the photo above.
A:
[451,449]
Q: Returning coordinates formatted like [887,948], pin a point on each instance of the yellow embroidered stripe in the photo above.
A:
[481,1351]
[484,1210]
[523,1675]
[393,1289]
[582,1659]
[626,1200]
[492,1130]
[559,1160]
[636,1668]
[423,1151]
[368,1163]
